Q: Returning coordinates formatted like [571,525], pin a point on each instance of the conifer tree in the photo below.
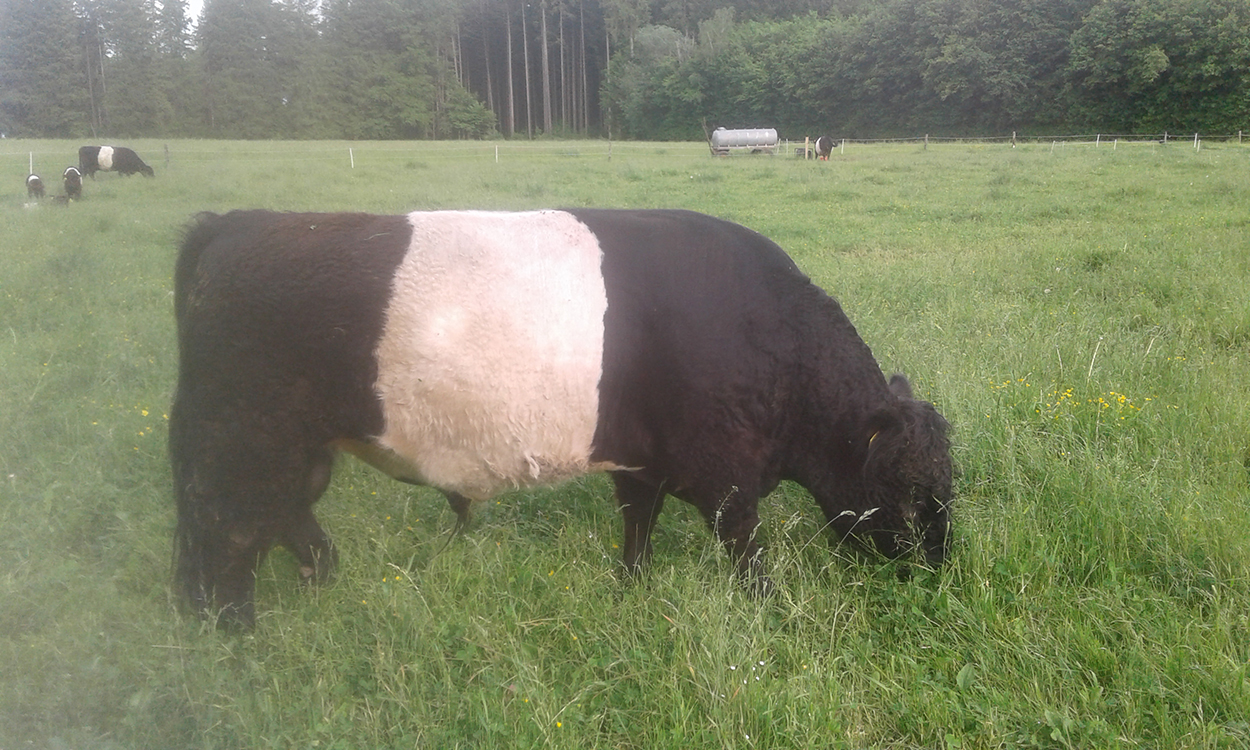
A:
[43,89]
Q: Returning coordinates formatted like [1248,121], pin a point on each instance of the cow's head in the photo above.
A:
[216,553]
[906,479]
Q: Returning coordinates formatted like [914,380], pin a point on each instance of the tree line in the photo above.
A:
[962,67]
[646,69]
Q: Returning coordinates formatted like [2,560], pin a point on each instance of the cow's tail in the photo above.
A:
[199,234]
[190,546]
[189,550]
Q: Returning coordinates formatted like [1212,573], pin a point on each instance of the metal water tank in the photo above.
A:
[755,139]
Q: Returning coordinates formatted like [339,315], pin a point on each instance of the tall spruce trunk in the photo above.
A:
[529,100]
[491,104]
[546,73]
[510,118]
[585,88]
[564,91]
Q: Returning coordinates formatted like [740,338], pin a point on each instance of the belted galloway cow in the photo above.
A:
[479,352]
[71,178]
[824,147]
[124,161]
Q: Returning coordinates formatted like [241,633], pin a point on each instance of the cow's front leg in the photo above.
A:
[733,516]
[640,504]
[301,533]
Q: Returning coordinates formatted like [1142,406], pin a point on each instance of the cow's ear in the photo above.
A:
[882,423]
[900,386]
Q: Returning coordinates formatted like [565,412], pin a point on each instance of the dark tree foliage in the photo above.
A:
[966,66]
[43,90]
[656,69]
[1163,64]
[250,54]
[134,82]
[394,69]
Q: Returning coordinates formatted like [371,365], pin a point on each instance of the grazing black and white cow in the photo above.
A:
[73,183]
[478,352]
[124,161]
[34,187]
[824,147]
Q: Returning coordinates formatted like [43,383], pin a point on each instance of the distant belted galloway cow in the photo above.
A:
[124,161]
[34,187]
[824,147]
[479,352]
[72,180]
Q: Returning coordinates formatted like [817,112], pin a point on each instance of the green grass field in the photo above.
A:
[1080,314]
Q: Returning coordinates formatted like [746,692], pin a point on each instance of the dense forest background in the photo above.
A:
[647,69]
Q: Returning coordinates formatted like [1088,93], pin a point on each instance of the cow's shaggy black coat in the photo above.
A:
[725,371]
[34,187]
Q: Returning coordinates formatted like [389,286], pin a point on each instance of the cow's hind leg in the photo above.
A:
[640,504]
[462,507]
[312,547]
[302,535]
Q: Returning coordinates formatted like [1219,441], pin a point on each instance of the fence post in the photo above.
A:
[1195,140]
[1013,139]
[32,163]
[926,141]
[843,149]
[496,153]
[1098,141]
[351,156]
[805,140]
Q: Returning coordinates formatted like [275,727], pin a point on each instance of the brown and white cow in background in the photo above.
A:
[479,352]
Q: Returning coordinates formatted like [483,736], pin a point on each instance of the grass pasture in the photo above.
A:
[1080,314]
